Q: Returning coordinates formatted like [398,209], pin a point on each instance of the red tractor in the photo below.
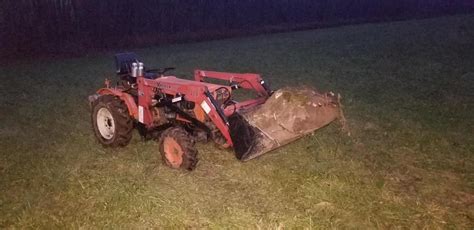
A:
[179,112]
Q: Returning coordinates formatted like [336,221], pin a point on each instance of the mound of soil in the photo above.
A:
[291,112]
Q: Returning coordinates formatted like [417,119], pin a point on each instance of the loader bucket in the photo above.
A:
[289,114]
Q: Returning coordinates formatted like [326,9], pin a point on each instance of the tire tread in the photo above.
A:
[123,121]
[187,144]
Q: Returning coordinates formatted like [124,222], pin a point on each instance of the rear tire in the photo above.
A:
[111,121]
[177,149]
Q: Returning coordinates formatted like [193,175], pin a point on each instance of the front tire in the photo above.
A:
[111,121]
[177,149]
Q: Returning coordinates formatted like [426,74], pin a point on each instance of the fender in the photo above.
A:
[125,97]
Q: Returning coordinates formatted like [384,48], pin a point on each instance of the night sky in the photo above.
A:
[73,27]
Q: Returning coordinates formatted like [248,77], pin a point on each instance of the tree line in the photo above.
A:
[32,27]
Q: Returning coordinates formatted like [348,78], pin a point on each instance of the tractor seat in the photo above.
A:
[151,75]
[123,62]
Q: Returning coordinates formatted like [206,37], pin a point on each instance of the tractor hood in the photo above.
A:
[172,80]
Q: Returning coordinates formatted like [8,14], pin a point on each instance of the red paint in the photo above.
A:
[191,91]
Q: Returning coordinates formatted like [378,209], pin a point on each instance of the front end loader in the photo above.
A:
[178,112]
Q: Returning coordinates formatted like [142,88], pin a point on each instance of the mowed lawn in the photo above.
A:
[408,95]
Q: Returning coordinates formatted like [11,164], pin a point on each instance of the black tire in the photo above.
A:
[177,149]
[114,129]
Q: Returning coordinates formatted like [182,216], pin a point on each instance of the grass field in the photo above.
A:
[408,91]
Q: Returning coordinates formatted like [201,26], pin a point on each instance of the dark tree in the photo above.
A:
[32,27]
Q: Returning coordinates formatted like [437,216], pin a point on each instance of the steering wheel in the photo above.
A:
[160,71]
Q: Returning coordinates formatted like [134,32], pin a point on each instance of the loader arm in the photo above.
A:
[249,81]
[244,80]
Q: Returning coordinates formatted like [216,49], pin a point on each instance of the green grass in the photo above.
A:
[408,92]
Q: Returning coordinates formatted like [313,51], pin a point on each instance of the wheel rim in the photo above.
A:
[173,152]
[105,123]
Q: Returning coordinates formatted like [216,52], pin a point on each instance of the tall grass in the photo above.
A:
[408,94]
